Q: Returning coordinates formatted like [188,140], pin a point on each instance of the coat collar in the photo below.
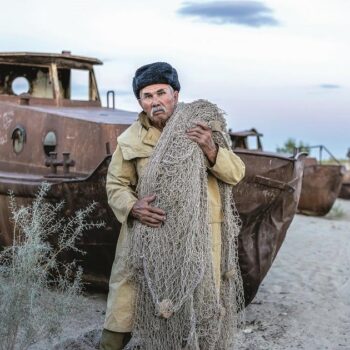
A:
[152,134]
[139,139]
[144,120]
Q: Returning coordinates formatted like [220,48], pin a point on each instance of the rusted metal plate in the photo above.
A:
[320,188]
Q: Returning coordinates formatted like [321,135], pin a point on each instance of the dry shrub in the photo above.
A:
[336,213]
[37,291]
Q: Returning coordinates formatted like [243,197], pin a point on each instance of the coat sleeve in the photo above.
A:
[121,183]
[228,167]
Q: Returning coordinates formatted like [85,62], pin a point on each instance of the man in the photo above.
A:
[156,86]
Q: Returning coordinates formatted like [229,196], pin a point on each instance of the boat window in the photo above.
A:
[79,85]
[18,138]
[50,142]
[252,142]
[20,85]
[17,79]
[74,84]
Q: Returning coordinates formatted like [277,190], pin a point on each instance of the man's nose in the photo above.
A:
[155,101]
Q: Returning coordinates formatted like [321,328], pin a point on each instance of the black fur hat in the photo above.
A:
[155,73]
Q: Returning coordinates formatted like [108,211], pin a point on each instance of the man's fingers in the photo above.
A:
[150,212]
[203,125]
[156,210]
[149,198]
[195,138]
[195,133]
[152,222]
[202,139]
[196,129]
[154,216]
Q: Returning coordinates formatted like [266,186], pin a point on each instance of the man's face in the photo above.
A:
[158,101]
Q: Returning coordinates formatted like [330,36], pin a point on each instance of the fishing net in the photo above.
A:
[178,304]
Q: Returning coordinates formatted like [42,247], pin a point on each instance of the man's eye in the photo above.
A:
[160,93]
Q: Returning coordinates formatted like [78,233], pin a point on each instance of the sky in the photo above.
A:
[280,66]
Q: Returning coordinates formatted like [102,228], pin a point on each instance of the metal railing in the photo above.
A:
[321,149]
[111,93]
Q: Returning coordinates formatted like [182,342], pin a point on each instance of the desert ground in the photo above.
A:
[303,303]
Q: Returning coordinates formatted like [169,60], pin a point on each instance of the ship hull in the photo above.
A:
[266,201]
[320,188]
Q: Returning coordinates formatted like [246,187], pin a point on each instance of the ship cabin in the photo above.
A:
[52,122]
[247,139]
[48,79]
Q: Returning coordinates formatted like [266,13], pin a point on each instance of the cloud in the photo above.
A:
[329,86]
[247,13]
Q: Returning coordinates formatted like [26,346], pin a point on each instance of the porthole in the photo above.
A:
[50,142]
[18,138]
[20,85]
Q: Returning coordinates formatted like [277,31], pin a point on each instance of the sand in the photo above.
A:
[303,303]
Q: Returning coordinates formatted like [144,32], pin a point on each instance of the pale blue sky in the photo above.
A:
[279,66]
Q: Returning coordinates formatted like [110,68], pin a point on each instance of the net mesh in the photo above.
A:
[178,304]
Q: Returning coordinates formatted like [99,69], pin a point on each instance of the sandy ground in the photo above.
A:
[303,303]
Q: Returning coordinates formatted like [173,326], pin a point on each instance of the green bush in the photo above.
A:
[290,146]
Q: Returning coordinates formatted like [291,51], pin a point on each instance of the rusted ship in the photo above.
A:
[51,132]
[267,201]
[48,133]
[321,185]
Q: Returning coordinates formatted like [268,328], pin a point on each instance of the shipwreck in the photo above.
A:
[321,184]
[267,201]
[49,132]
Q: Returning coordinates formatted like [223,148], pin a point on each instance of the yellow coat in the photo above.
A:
[135,145]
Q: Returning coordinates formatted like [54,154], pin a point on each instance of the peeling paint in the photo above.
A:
[5,122]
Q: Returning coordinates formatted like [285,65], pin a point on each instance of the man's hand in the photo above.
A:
[202,134]
[146,214]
